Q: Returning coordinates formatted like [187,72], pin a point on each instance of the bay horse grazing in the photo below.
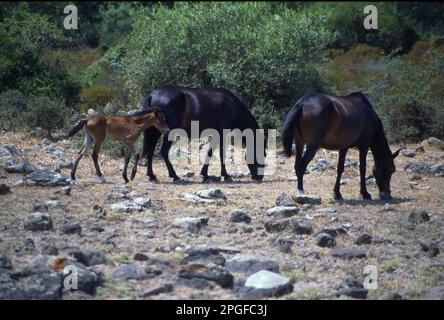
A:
[339,123]
[214,108]
[125,129]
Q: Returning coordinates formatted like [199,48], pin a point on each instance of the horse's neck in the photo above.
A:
[380,149]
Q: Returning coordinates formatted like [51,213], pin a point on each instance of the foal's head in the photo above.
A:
[159,121]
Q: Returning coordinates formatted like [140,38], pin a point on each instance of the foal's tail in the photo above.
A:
[289,127]
[76,128]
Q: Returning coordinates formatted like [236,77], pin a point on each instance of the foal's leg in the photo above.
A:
[88,142]
[302,165]
[128,152]
[337,193]
[362,168]
[95,158]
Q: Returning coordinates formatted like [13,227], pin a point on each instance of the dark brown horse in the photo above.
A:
[213,108]
[339,123]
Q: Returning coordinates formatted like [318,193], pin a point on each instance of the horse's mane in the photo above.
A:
[141,112]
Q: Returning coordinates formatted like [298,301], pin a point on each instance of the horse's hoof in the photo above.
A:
[300,193]
[338,197]
[153,179]
[367,196]
[228,179]
[211,179]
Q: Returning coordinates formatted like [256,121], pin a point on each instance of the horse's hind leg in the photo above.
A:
[150,138]
[88,142]
[337,193]
[204,171]
[95,157]
[164,151]
[302,165]
[223,169]
[299,150]
[128,153]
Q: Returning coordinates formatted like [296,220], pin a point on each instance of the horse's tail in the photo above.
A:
[289,128]
[76,128]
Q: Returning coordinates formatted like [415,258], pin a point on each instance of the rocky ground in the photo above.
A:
[218,240]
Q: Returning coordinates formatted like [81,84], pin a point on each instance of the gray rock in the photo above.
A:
[364,239]
[48,249]
[5,263]
[209,249]
[140,257]
[12,160]
[435,142]
[283,200]
[161,288]
[285,245]
[212,193]
[64,164]
[354,289]
[89,257]
[349,253]
[391,296]
[266,284]
[42,285]
[237,216]
[435,293]
[418,216]
[136,204]
[130,271]
[409,153]
[325,240]
[426,168]
[307,199]
[191,224]
[249,264]
[4,189]
[38,221]
[301,227]
[65,191]
[188,174]
[405,224]
[210,273]
[282,212]
[87,280]
[71,228]
[276,226]
[333,231]
[188,197]
[205,256]
[320,165]
[53,204]
[45,178]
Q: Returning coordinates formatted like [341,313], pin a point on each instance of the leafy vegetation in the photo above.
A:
[268,53]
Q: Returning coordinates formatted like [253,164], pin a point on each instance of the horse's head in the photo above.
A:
[383,171]
[258,167]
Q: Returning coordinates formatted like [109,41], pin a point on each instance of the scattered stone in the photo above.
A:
[42,285]
[50,250]
[140,257]
[326,210]
[237,216]
[12,161]
[53,204]
[71,228]
[65,191]
[4,189]
[89,257]
[191,224]
[307,199]
[265,283]
[436,169]
[147,222]
[333,231]
[212,193]
[301,227]
[276,226]
[325,240]
[364,239]
[418,216]
[38,221]
[282,212]
[391,296]
[161,288]
[435,293]
[45,178]
[5,263]
[137,204]
[188,174]
[249,264]
[87,280]
[321,165]
[283,200]
[405,224]
[64,164]
[435,142]
[188,197]
[205,256]
[293,178]
[210,273]
[349,253]
[285,245]
[130,271]
[354,289]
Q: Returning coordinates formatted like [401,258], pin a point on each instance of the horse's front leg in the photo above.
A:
[362,169]
[136,161]
[150,138]
[164,151]
[337,193]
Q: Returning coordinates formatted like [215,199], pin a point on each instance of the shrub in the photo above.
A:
[12,107]
[97,97]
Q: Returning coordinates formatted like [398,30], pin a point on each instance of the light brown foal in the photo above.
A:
[125,129]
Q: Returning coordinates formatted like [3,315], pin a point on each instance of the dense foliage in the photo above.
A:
[268,53]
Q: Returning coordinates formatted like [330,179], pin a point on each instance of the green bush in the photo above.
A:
[12,107]
[46,113]
[97,97]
